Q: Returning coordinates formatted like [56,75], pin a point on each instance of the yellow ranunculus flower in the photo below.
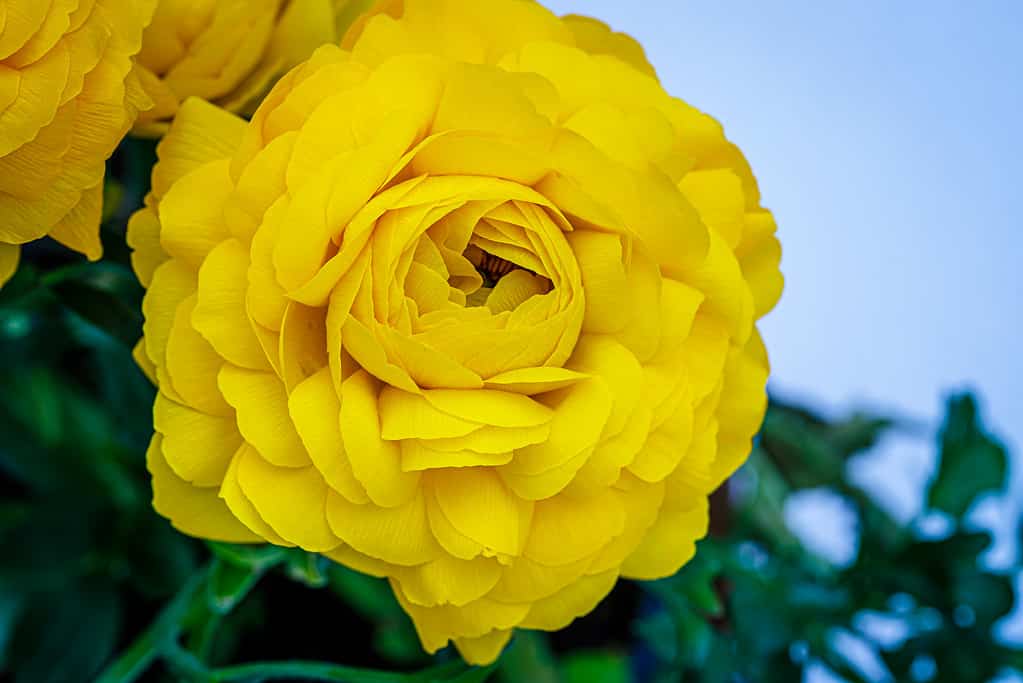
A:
[466,306]
[231,52]
[68,94]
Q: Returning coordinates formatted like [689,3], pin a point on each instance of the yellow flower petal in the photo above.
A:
[293,501]
[483,650]
[201,133]
[462,494]
[144,239]
[398,535]
[376,463]
[9,256]
[404,415]
[192,510]
[79,229]
[485,406]
[603,272]
[531,381]
[669,543]
[449,581]
[575,600]
[262,408]
[220,314]
[580,413]
[172,284]
[417,456]
[525,581]
[437,625]
[197,446]
[315,409]
[566,530]
[192,213]
[192,364]
[239,504]
[302,349]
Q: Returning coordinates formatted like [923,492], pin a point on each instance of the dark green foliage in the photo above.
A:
[95,586]
[971,462]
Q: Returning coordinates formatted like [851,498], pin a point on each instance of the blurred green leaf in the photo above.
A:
[859,432]
[694,584]
[11,606]
[113,197]
[528,658]
[971,462]
[478,674]
[104,294]
[66,636]
[982,599]
[595,667]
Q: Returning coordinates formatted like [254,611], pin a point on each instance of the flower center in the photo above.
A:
[490,266]
[493,269]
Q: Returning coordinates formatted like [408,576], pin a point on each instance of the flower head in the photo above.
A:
[231,51]
[68,94]
[469,305]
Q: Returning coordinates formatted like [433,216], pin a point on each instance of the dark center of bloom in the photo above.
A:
[490,267]
[493,268]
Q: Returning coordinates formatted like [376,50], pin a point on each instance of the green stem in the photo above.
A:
[184,663]
[321,671]
[161,640]
[205,637]
[153,641]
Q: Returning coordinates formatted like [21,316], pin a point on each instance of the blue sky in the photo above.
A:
[887,140]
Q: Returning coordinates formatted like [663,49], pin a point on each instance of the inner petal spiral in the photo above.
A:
[480,284]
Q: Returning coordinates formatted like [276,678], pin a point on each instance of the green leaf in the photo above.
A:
[858,433]
[972,462]
[595,667]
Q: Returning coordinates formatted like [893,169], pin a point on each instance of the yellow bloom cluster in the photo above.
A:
[469,304]
[231,52]
[68,93]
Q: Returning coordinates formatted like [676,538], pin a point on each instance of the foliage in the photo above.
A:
[93,585]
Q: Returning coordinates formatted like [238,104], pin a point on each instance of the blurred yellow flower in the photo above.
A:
[231,52]
[469,305]
[68,94]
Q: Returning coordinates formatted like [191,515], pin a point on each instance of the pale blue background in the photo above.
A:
[888,140]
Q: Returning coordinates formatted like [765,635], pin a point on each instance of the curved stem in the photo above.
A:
[322,671]
[150,645]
